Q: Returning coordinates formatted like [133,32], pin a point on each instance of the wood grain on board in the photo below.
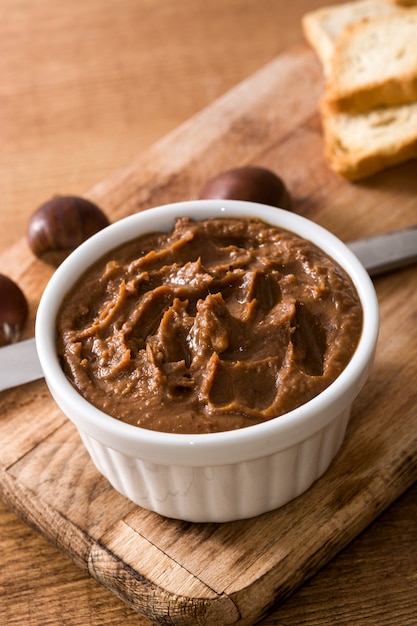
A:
[229,573]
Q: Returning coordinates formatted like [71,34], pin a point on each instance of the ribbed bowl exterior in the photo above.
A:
[221,493]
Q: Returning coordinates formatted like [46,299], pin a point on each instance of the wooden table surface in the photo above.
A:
[86,86]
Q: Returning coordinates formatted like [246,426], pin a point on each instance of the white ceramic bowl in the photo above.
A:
[221,476]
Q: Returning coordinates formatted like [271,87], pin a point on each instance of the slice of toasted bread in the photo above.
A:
[374,64]
[358,145]
[322,27]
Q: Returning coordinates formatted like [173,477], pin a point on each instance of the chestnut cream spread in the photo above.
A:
[217,325]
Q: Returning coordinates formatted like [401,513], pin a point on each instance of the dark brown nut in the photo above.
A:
[60,225]
[13,310]
[251,183]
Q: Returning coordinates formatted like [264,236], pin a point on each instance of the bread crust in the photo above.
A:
[390,92]
[404,3]
[392,79]
[374,151]
[323,26]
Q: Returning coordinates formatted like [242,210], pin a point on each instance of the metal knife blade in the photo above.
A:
[388,251]
[19,362]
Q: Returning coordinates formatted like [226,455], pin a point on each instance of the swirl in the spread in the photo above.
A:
[217,325]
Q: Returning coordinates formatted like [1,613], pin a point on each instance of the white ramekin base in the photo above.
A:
[221,493]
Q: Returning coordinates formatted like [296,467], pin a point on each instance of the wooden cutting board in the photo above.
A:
[182,573]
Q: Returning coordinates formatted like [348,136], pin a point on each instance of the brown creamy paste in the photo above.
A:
[217,325]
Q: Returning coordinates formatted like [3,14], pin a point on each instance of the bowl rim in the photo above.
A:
[210,448]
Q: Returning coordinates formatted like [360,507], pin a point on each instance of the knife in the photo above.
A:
[19,362]
[389,251]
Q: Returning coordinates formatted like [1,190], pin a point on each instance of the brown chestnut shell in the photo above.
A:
[14,311]
[61,224]
[251,183]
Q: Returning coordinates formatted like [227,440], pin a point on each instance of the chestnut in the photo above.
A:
[13,310]
[251,183]
[60,225]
